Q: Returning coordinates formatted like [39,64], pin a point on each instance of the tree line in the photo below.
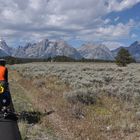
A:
[122,59]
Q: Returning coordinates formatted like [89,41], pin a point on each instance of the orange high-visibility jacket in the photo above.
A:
[3,74]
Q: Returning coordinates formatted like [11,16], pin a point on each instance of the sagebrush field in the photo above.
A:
[77,101]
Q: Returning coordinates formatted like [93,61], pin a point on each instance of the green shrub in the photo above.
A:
[83,96]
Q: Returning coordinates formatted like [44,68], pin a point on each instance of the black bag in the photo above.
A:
[5,99]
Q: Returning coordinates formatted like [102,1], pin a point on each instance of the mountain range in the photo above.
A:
[93,51]
[134,50]
[47,48]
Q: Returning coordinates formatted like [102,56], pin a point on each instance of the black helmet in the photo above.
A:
[2,62]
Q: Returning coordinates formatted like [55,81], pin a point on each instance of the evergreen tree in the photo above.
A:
[124,57]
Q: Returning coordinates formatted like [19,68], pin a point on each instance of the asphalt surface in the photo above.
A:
[9,130]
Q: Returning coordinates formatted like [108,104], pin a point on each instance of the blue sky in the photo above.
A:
[110,22]
[124,16]
[116,17]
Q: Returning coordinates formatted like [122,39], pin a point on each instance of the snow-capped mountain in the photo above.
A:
[46,48]
[91,51]
[4,49]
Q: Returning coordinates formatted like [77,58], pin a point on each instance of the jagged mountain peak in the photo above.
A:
[62,44]
[136,42]
[95,51]
[93,46]
[2,40]
[89,46]
[27,45]
[47,48]
[44,41]
[5,50]
[3,43]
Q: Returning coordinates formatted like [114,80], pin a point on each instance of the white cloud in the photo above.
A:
[134,36]
[115,5]
[108,32]
[72,19]
[113,45]
[114,31]
[116,19]
[35,4]
[106,21]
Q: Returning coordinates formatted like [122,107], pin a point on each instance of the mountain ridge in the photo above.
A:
[92,51]
[134,50]
[47,48]
[5,50]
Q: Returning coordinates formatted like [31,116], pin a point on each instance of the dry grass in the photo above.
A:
[112,93]
[30,123]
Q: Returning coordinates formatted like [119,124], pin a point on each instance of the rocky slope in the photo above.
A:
[46,48]
[101,52]
[4,49]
